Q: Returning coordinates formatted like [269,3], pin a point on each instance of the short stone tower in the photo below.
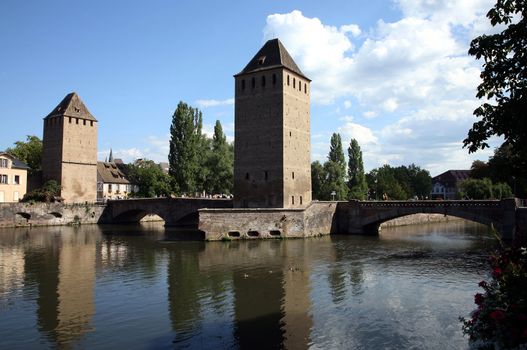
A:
[272,163]
[70,150]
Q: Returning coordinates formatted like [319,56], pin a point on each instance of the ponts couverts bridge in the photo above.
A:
[272,173]
[218,219]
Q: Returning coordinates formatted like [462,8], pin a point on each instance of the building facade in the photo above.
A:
[13,178]
[112,182]
[446,185]
[272,161]
[70,150]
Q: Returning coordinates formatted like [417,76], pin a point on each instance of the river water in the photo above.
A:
[139,287]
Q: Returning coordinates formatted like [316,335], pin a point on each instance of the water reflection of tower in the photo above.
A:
[63,270]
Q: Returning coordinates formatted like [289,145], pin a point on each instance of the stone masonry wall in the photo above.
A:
[219,224]
[48,214]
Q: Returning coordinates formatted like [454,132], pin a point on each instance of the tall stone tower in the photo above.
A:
[70,150]
[272,163]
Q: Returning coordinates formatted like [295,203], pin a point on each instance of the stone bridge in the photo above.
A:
[174,211]
[365,217]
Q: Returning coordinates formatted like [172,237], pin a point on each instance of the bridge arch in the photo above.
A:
[370,215]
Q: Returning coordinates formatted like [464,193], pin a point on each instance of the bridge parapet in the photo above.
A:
[431,203]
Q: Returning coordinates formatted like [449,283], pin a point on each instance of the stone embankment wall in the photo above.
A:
[220,224]
[48,214]
[416,219]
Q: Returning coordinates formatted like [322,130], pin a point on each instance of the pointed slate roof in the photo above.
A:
[71,106]
[272,55]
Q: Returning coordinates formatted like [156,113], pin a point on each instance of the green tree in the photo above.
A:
[318,178]
[49,192]
[335,170]
[476,189]
[356,179]
[30,152]
[186,142]
[220,164]
[501,190]
[149,178]
[420,181]
[504,80]
[383,181]
[479,169]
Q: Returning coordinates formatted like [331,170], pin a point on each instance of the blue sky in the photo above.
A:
[393,74]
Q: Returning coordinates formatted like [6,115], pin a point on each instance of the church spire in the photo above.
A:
[110,158]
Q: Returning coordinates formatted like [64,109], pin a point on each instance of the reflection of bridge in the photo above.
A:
[174,211]
[366,217]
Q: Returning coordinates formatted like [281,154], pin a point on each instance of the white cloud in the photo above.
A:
[351,28]
[347,104]
[362,134]
[417,69]
[347,118]
[214,103]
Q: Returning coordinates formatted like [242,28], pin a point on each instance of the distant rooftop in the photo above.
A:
[71,106]
[272,55]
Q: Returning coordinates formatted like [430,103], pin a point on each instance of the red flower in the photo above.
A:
[482,284]
[478,299]
[497,315]
[497,272]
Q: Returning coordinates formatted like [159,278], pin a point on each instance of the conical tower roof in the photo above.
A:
[71,106]
[272,55]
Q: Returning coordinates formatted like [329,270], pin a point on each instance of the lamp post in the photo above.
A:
[376,197]
[333,193]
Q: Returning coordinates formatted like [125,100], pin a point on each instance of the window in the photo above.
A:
[293,175]
[109,188]
[299,86]
[3,163]
[91,122]
[294,83]
[274,79]
[263,80]
[3,179]
[266,175]
[77,120]
[246,176]
[253,83]
[300,200]
[69,120]
[243,84]
[293,200]
[16,180]
[84,121]
[288,80]
[305,88]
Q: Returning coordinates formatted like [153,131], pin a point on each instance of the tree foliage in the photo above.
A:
[400,183]
[335,171]
[219,164]
[149,178]
[484,189]
[49,192]
[504,80]
[30,152]
[186,140]
[318,177]
[357,185]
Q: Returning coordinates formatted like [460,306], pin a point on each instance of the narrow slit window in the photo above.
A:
[263,80]
[293,200]
[294,83]
[247,176]
[253,83]
[274,79]
[288,80]
[243,84]
[300,200]
[305,88]
[266,175]
[293,175]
